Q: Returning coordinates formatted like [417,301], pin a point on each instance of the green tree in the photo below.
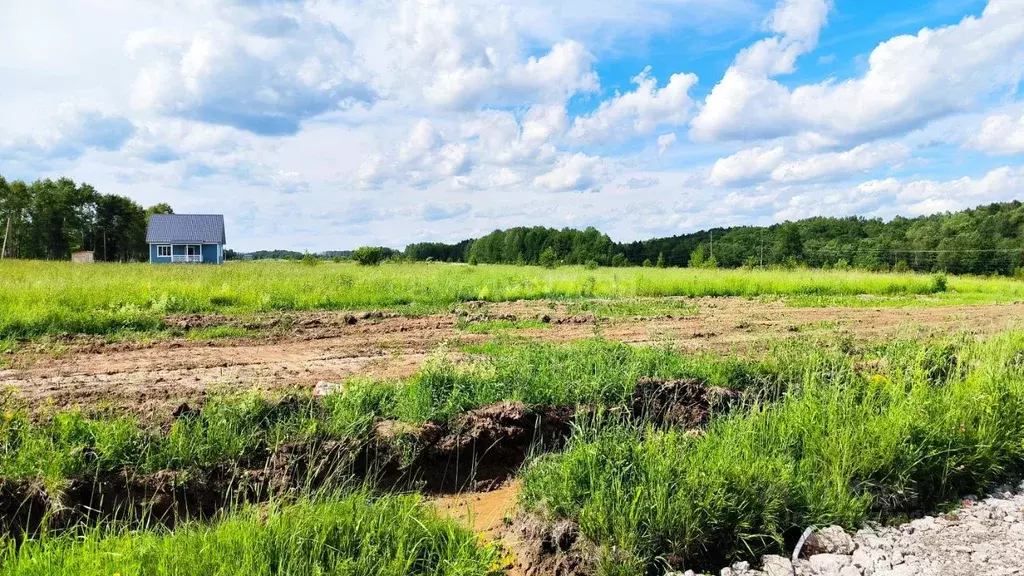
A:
[661,260]
[548,258]
[368,255]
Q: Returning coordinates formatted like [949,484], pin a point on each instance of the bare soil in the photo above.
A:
[297,350]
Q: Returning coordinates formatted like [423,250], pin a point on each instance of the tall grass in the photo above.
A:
[70,444]
[356,534]
[39,298]
[903,429]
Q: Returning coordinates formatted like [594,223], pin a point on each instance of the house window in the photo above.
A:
[163,251]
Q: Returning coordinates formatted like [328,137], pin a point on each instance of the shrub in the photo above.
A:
[647,263]
[309,260]
[661,260]
[548,258]
[619,260]
[472,260]
[591,265]
[939,283]
[368,255]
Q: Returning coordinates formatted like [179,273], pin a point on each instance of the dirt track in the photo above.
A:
[152,378]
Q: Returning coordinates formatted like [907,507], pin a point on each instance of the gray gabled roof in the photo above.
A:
[184,228]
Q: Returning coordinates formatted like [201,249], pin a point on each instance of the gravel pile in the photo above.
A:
[984,537]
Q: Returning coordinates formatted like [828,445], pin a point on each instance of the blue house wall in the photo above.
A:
[212,253]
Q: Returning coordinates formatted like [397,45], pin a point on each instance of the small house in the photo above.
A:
[196,238]
[82,257]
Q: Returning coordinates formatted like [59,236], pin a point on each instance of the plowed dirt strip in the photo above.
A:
[151,379]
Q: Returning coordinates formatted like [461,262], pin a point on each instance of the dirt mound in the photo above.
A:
[476,451]
[687,403]
[557,549]
[168,496]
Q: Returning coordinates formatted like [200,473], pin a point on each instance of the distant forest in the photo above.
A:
[985,240]
[50,219]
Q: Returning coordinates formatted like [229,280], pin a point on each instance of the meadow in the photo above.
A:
[818,429]
[48,298]
[826,432]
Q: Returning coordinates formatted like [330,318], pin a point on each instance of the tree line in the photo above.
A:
[984,240]
[50,219]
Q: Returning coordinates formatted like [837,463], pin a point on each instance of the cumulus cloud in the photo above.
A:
[638,112]
[910,80]
[572,173]
[839,164]
[665,141]
[771,164]
[250,70]
[74,131]
[434,211]
[746,166]
[1000,134]
[502,139]
[424,157]
[889,197]
[459,55]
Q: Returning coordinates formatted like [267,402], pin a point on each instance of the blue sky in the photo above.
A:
[328,124]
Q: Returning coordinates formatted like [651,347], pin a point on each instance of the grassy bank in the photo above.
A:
[40,298]
[53,448]
[355,534]
[901,428]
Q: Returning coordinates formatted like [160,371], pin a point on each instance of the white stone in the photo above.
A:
[828,564]
[831,540]
[773,565]
[324,388]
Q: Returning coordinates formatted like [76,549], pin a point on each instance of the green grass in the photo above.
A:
[40,298]
[902,428]
[646,307]
[70,444]
[218,332]
[54,448]
[355,534]
[493,326]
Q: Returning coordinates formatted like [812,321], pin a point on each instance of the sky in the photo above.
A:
[331,124]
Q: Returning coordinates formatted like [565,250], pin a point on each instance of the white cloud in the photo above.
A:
[746,165]
[434,211]
[910,80]
[1000,134]
[572,173]
[74,130]
[638,112]
[460,55]
[425,157]
[665,141]
[760,164]
[251,68]
[839,164]
[891,197]
[746,103]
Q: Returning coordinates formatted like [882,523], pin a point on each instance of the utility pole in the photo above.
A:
[6,234]
[762,247]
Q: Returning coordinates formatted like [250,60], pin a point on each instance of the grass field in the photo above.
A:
[356,533]
[823,427]
[41,298]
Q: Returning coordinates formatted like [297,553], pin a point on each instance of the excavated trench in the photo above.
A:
[476,451]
